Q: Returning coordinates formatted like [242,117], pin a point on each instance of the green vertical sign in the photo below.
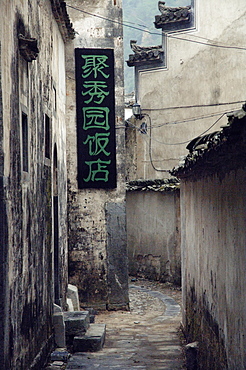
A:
[95,100]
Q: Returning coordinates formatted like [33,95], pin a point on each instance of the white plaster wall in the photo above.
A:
[153,230]
[214,258]
[195,75]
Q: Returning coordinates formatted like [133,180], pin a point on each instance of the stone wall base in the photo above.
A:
[43,355]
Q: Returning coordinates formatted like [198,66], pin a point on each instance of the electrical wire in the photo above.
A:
[189,119]
[204,43]
[111,20]
[150,149]
[181,143]
[193,106]
[186,142]
[193,119]
[140,25]
[200,37]
[155,33]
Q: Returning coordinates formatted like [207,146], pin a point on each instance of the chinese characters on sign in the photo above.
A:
[95,118]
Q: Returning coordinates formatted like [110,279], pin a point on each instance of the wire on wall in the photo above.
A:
[193,119]
[194,106]
[183,142]
[150,148]
[180,143]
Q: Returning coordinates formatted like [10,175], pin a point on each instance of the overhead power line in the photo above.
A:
[193,119]
[179,143]
[187,141]
[155,33]
[194,106]
[205,43]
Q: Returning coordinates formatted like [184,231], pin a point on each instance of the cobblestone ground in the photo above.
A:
[145,338]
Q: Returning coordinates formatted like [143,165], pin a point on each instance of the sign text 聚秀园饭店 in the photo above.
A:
[95,118]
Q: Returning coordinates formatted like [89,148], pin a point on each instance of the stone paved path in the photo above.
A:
[145,338]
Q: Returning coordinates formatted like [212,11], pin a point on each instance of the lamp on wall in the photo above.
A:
[136,111]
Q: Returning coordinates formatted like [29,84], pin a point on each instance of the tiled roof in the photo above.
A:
[210,152]
[145,54]
[170,15]
[59,10]
[161,185]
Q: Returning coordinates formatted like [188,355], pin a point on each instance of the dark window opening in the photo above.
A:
[24,142]
[47,136]
[56,265]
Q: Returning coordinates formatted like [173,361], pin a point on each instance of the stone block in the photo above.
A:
[58,363]
[57,308]
[59,329]
[76,324]
[191,352]
[117,256]
[92,313]
[72,293]
[60,354]
[70,305]
[92,341]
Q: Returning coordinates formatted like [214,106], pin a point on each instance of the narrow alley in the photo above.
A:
[103,177]
[144,338]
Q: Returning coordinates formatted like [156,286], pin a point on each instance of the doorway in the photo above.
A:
[56,260]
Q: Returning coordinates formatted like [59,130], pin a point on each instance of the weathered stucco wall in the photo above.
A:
[213,253]
[212,246]
[95,245]
[153,235]
[29,91]
[213,266]
[195,75]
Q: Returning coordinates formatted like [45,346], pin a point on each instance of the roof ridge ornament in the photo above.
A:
[173,16]
[145,54]
[147,49]
[167,10]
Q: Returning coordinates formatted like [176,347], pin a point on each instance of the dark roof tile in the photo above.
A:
[209,152]
[145,54]
[171,15]
[158,185]
[59,10]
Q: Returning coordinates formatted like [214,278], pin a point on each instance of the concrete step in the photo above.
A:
[76,324]
[92,340]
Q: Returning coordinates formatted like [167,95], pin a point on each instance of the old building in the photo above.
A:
[185,87]
[213,245]
[37,123]
[96,147]
[197,77]
[33,206]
